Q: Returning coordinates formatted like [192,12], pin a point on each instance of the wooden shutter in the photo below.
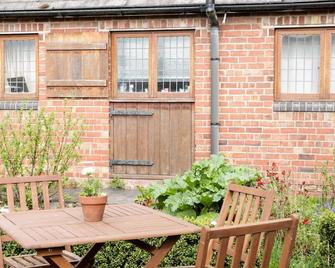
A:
[77,65]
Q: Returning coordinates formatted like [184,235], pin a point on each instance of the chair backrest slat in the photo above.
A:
[23,197]
[34,195]
[233,207]
[238,251]
[46,199]
[60,194]
[247,209]
[268,246]
[10,197]
[240,209]
[252,254]
[257,231]
[222,252]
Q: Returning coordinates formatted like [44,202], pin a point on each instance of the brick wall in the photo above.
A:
[250,133]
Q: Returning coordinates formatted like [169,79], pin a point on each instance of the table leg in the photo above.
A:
[88,260]
[158,254]
[55,257]
[58,261]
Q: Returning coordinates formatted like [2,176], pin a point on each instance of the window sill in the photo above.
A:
[152,100]
[304,106]
[18,105]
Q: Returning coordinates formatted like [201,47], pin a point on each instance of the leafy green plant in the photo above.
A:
[34,143]
[299,202]
[327,239]
[91,187]
[328,185]
[199,190]
[117,183]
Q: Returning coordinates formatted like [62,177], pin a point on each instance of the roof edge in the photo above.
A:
[167,10]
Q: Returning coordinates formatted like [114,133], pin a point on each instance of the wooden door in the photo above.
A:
[151,140]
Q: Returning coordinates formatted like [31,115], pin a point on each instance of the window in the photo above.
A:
[305,64]
[152,64]
[133,64]
[173,64]
[19,66]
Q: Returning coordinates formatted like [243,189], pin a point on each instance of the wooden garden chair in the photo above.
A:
[242,205]
[16,188]
[266,229]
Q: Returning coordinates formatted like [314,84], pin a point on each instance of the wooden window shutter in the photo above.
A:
[77,65]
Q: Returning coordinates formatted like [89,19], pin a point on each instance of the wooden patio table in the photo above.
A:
[48,231]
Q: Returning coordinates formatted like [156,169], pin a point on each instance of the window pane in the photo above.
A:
[173,64]
[300,64]
[332,66]
[133,64]
[20,66]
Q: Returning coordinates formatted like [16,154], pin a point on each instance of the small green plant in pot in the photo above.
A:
[92,199]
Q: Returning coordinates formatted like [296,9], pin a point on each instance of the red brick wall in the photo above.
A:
[250,133]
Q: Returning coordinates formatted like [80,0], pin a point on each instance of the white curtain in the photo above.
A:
[300,64]
[20,66]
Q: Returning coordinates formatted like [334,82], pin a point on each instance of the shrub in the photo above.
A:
[117,183]
[328,185]
[34,143]
[123,254]
[327,239]
[289,202]
[199,190]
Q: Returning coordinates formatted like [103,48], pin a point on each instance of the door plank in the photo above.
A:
[154,139]
[119,138]
[165,139]
[131,138]
[143,138]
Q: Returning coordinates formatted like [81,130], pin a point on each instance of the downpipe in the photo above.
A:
[215,60]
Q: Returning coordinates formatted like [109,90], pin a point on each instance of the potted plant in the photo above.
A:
[92,200]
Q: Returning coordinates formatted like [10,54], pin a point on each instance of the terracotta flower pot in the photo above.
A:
[93,207]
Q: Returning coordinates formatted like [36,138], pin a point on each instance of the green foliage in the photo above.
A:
[199,190]
[327,239]
[299,203]
[328,185]
[117,183]
[34,143]
[206,219]
[123,254]
[91,187]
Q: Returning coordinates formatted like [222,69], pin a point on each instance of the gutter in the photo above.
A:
[215,60]
[167,10]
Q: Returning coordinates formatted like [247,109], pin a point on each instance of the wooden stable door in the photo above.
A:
[151,140]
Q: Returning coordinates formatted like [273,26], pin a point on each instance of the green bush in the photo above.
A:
[33,143]
[117,183]
[126,255]
[306,207]
[327,239]
[199,190]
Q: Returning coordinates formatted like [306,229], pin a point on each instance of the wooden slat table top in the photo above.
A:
[58,227]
